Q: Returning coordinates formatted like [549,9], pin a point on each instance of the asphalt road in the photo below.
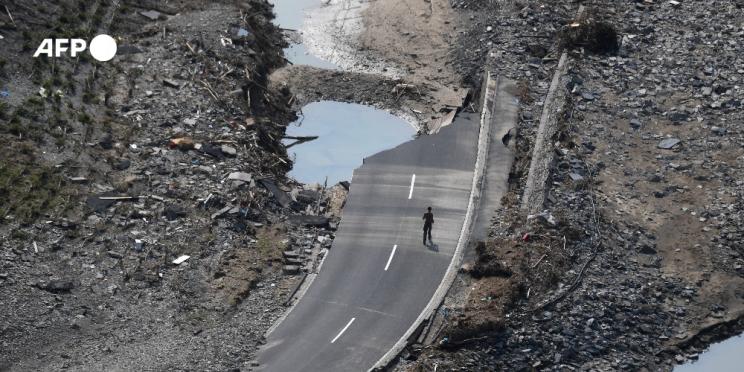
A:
[378,276]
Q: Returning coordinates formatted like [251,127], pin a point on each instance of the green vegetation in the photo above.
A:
[84,118]
[28,190]
[3,111]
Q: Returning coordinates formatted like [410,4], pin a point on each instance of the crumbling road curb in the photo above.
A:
[490,89]
[536,187]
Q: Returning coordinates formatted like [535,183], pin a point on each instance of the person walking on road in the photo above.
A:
[428,222]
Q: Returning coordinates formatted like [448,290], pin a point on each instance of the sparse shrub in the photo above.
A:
[84,118]
[89,98]
[269,244]
[3,111]
[20,235]
[35,101]
[593,35]
[29,190]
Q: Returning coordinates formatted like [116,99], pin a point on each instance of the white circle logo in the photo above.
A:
[103,48]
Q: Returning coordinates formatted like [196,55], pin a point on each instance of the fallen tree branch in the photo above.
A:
[209,89]
[10,15]
[299,140]
[538,261]
[570,289]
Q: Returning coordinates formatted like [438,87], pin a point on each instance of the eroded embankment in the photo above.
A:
[639,248]
[145,205]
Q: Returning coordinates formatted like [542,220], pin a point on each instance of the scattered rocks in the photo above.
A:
[162,133]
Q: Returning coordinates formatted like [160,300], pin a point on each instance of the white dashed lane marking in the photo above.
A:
[343,330]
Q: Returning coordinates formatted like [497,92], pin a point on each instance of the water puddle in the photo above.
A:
[347,133]
[290,15]
[724,356]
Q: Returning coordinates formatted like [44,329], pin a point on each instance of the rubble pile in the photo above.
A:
[637,261]
[183,239]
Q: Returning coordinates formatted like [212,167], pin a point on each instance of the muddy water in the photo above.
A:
[726,356]
[347,134]
[290,14]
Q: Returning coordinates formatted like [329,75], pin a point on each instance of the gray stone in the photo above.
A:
[221,211]
[668,143]
[229,150]
[281,197]
[655,178]
[291,269]
[310,221]
[718,130]
[647,249]
[174,212]
[152,15]
[171,83]
[240,176]
[291,254]
[308,196]
[122,164]
[204,169]
[588,96]
[677,117]
[58,286]
[576,176]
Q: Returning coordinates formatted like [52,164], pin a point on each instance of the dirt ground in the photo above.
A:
[416,35]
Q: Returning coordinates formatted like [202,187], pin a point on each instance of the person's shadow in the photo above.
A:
[434,247]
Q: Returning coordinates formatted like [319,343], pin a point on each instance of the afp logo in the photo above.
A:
[102,47]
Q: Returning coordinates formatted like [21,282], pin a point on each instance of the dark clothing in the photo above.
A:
[428,218]
[428,221]
[427,231]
